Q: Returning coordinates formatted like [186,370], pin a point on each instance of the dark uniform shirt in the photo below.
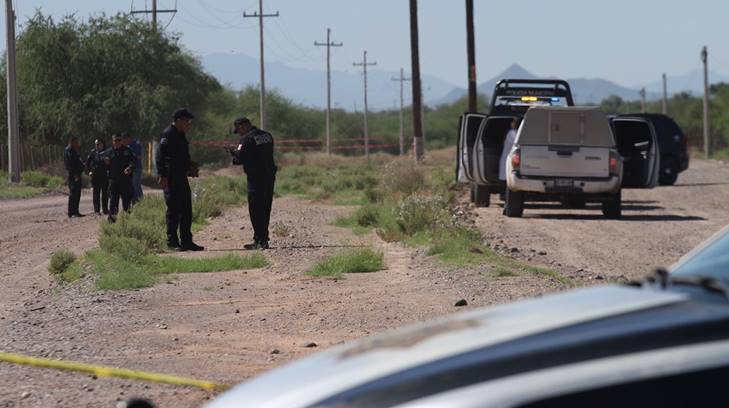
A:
[72,161]
[255,152]
[96,165]
[120,158]
[173,154]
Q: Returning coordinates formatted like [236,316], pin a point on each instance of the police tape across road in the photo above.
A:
[103,371]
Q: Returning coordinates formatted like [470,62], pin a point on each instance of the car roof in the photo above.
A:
[363,363]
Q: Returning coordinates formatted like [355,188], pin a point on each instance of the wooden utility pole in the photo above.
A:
[664,105]
[707,136]
[328,44]
[471,49]
[415,74]
[154,13]
[260,17]
[402,80]
[364,65]
[642,100]
[13,130]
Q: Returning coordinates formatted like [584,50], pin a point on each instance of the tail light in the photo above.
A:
[516,160]
[613,163]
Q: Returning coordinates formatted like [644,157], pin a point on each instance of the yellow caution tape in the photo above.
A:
[102,371]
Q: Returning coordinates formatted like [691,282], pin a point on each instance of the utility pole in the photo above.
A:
[260,17]
[415,74]
[707,136]
[328,44]
[471,50]
[364,65]
[642,100]
[154,13]
[13,131]
[664,105]
[402,80]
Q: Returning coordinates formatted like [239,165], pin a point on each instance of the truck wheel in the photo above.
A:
[481,195]
[613,207]
[669,171]
[514,204]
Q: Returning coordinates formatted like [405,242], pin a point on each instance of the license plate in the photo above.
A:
[564,183]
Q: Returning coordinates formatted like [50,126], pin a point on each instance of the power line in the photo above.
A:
[154,13]
[260,16]
[364,65]
[328,44]
[402,80]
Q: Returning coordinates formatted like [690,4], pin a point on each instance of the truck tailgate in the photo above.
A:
[565,161]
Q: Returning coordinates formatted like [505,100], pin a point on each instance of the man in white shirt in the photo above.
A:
[508,144]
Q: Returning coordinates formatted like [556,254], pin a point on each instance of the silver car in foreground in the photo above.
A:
[663,342]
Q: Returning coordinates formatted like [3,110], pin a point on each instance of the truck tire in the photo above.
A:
[613,207]
[514,203]
[481,195]
[669,171]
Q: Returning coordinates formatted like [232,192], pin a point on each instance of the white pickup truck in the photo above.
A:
[577,155]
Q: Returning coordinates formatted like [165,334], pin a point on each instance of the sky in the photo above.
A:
[627,41]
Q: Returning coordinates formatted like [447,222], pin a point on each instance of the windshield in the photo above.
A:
[531,100]
[712,260]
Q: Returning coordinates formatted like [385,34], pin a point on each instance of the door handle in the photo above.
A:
[564,153]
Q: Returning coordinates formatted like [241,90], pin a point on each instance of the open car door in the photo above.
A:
[638,145]
[489,145]
[469,124]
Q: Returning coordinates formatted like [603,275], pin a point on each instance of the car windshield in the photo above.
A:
[711,260]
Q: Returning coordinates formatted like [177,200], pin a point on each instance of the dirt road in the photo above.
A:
[232,325]
[658,226]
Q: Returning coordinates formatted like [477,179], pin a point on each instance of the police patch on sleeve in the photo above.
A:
[163,141]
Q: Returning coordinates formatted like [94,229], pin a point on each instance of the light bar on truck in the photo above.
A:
[529,98]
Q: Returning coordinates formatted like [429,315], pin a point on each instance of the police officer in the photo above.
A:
[120,160]
[255,153]
[173,166]
[96,166]
[136,147]
[74,166]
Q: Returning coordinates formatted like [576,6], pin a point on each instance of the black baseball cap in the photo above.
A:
[240,121]
[182,113]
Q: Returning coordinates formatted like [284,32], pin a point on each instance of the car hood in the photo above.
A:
[312,379]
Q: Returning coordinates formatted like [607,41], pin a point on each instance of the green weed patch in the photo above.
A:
[351,261]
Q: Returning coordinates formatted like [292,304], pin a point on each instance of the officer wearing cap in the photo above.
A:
[173,167]
[120,159]
[255,153]
[73,164]
[98,171]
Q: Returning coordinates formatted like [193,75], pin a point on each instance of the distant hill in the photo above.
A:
[308,87]
[584,90]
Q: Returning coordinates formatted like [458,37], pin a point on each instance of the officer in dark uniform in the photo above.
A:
[120,160]
[75,167]
[255,153]
[173,166]
[99,172]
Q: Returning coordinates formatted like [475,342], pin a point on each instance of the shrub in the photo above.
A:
[402,178]
[422,213]
[61,261]
[42,180]
[352,261]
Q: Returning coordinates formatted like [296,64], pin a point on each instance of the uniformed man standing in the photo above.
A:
[173,167]
[99,172]
[136,147]
[255,153]
[75,167]
[120,160]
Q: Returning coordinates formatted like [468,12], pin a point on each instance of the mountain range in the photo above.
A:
[308,87]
